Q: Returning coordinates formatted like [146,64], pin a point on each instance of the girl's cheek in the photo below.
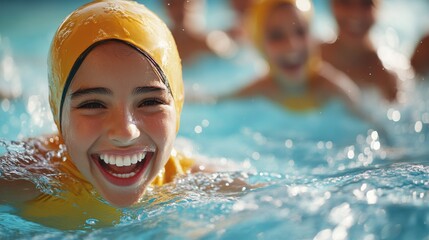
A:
[157,126]
[84,127]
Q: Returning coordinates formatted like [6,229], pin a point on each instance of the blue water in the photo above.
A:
[326,174]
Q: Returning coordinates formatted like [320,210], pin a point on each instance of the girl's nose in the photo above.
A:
[123,129]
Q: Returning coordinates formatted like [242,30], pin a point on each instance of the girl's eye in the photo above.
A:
[91,105]
[151,102]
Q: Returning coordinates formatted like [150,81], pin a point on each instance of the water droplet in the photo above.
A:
[198,129]
[205,123]
[91,221]
[418,126]
[288,143]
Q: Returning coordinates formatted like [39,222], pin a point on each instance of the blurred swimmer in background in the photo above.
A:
[297,78]
[353,51]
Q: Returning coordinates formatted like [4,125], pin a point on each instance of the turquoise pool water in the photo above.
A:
[327,174]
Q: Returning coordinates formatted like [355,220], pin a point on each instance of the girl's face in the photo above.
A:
[286,41]
[354,17]
[119,122]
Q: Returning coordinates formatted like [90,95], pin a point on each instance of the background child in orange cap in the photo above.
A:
[297,79]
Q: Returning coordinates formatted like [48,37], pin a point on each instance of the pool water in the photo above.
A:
[322,175]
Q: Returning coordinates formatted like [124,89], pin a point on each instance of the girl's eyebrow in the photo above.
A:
[87,91]
[147,89]
[105,91]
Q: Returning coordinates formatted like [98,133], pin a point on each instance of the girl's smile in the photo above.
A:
[126,168]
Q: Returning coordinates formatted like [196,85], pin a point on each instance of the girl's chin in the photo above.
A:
[124,195]
[122,199]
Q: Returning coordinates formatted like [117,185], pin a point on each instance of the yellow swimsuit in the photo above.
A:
[302,102]
[78,202]
[305,100]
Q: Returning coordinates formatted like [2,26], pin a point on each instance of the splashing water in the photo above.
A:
[329,177]
[324,189]
[22,161]
[377,203]
[309,186]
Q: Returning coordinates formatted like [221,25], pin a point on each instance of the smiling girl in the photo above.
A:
[116,95]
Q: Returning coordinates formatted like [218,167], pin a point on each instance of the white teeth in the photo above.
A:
[111,160]
[123,175]
[127,161]
[120,161]
[134,159]
[104,158]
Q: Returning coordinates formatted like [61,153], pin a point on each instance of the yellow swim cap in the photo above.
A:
[259,12]
[256,23]
[103,20]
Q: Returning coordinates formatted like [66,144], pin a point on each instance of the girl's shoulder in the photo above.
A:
[335,82]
